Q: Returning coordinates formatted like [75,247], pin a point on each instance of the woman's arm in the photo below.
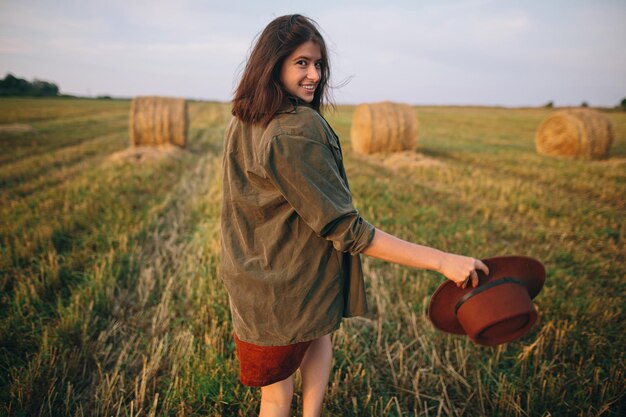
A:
[456,268]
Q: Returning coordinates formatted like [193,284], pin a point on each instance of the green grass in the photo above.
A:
[111,301]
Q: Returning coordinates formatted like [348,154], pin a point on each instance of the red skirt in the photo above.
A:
[265,365]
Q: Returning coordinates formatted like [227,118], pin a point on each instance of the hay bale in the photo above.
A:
[158,121]
[582,133]
[383,127]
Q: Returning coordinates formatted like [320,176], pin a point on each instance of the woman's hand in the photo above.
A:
[460,269]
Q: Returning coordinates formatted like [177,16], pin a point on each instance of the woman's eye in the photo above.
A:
[318,65]
[301,63]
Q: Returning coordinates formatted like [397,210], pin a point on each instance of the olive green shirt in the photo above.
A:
[290,235]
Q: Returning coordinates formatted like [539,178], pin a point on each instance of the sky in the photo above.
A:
[474,52]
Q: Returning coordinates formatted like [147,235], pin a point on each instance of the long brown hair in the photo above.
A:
[260,94]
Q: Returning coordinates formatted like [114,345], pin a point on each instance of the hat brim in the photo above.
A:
[442,303]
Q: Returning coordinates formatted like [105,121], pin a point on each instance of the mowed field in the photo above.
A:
[111,302]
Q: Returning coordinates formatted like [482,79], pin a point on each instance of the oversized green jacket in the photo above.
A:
[290,235]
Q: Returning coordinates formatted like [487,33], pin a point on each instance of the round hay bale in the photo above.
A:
[383,127]
[158,121]
[582,133]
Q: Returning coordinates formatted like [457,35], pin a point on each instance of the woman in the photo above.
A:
[291,237]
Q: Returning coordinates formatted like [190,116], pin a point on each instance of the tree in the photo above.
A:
[13,86]
[44,88]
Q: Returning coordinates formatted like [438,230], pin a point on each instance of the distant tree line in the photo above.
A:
[13,86]
[620,106]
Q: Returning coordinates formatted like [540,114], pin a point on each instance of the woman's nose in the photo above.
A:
[313,73]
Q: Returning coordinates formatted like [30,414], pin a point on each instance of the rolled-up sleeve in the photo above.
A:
[305,172]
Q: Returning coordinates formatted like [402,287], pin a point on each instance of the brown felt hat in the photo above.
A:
[499,309]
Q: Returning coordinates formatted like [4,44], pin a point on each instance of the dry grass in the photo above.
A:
[403,161]
[16,128]
[143,154]
[111,302]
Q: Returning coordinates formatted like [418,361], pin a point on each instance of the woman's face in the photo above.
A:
[301,71]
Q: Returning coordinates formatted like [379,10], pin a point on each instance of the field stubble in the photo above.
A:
[111,302]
